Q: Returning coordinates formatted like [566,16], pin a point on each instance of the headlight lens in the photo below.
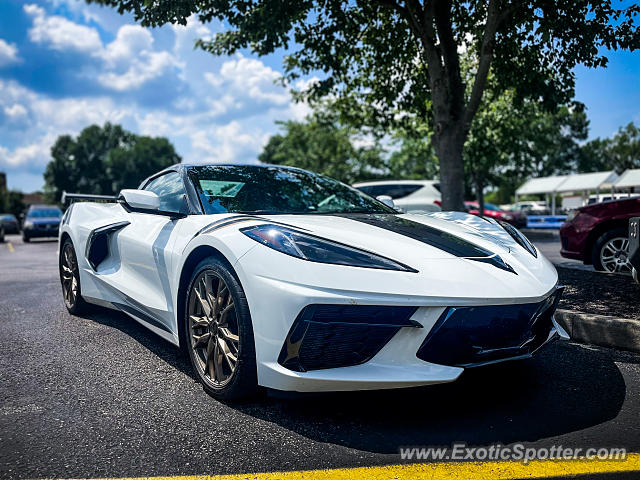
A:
[507,217]
[571,215]
[315,249]
[28,224]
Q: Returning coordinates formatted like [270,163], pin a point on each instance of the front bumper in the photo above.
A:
[41,232]
[275,304]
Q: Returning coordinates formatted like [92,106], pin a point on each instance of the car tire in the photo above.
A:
[617,237]
[1,235]
[70,273]
[25,238]
[218,329]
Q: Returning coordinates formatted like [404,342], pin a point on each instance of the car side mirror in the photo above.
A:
[387,200]
[139,199]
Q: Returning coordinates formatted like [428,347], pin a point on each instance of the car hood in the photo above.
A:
[421,241]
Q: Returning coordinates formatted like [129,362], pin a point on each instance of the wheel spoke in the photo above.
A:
[229,357]
[201,341]
[217,360]
[223,314]
[227,335]
[198,321]
[205,306]
[210,359]
[208,288]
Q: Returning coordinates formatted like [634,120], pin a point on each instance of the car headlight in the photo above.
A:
[571,215]
[316,249]
[507,217]
[28,224]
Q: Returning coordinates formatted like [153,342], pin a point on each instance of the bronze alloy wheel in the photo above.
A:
[213,329]
[69,275]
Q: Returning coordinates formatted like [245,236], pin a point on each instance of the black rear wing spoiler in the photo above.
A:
[85,196]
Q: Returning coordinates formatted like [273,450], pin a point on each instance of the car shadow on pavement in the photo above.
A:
[565,388]
[160,347]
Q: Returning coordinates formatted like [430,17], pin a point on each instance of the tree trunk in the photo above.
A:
[479,188]
[448,145]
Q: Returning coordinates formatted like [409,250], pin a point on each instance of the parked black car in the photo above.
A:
[10,223]
[41,221]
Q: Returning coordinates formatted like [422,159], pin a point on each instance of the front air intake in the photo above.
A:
[331,336]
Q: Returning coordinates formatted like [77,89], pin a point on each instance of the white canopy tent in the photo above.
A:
[628,180]
[581,182]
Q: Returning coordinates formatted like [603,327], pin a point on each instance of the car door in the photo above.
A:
[145,247]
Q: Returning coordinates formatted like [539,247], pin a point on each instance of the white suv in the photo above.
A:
[416,196]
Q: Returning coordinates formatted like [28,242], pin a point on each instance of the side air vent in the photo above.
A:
[331,336]
[98,243]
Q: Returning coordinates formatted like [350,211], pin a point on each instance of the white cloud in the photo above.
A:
[253,78]
[229,143]
[62,34]
[223,110]
[131,54]
[36,154]
[147,66]
[8,53]
[129,61]
[15,111]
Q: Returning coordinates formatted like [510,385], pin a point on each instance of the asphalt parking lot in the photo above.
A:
[100,396]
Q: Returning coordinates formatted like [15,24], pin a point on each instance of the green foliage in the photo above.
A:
[322,145]
[414,159]
[104,160]
[512,140]
[618,153]
[11,202]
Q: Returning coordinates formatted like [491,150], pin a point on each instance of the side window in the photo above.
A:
[170,188]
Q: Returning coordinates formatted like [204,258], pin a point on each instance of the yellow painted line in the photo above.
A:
[441,471]
[10,247]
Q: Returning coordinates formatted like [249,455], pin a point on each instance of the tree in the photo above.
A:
[322,145]
[404,55]
[512,140]
[104,160]
[11,202]
[618,153]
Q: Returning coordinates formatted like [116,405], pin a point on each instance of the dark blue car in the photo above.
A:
[41,221]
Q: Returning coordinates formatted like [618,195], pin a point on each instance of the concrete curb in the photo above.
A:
[602,330]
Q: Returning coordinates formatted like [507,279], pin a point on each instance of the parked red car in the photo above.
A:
[598,234]
[517,219]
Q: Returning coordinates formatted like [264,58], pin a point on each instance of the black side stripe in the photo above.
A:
[435,237]
[237,219]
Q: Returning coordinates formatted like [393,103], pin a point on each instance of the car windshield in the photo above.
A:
[10,218]
[256,189]
[491,206]
[44,213]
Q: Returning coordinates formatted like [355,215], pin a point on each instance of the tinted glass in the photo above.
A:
[44,213]
[394,191]
[491,206]
[253,189]
[170,188]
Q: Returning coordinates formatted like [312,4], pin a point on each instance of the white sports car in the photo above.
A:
[287,279]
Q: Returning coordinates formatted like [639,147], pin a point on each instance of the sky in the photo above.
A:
[65,65]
